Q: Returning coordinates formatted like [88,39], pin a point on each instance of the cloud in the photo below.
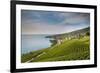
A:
[75,18]
[42,28]
[46,22]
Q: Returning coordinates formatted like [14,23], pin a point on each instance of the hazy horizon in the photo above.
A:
[55,34]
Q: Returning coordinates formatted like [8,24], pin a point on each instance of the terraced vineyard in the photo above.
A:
[74,49]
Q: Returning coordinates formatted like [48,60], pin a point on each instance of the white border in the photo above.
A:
[20,65]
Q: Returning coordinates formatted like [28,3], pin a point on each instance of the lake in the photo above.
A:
[34,42]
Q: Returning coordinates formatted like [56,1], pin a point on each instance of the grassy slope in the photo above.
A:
[75,49]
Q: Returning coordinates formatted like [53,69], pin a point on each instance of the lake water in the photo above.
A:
[34,42]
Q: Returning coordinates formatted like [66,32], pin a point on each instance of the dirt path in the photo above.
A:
[29,60]
[35,57]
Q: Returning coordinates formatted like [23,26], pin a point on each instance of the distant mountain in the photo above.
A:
[76,32]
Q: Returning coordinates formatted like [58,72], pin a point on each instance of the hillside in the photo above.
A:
[75,49]
[80,31]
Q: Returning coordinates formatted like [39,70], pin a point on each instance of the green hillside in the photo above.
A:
[74,49]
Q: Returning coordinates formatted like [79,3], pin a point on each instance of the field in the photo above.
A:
[73,49]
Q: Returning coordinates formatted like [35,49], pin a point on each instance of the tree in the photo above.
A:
[87,33]
[54,42]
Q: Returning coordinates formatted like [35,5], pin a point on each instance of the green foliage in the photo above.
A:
[87,33]
[54,42]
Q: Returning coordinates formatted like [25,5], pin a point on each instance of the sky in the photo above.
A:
[52,22]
